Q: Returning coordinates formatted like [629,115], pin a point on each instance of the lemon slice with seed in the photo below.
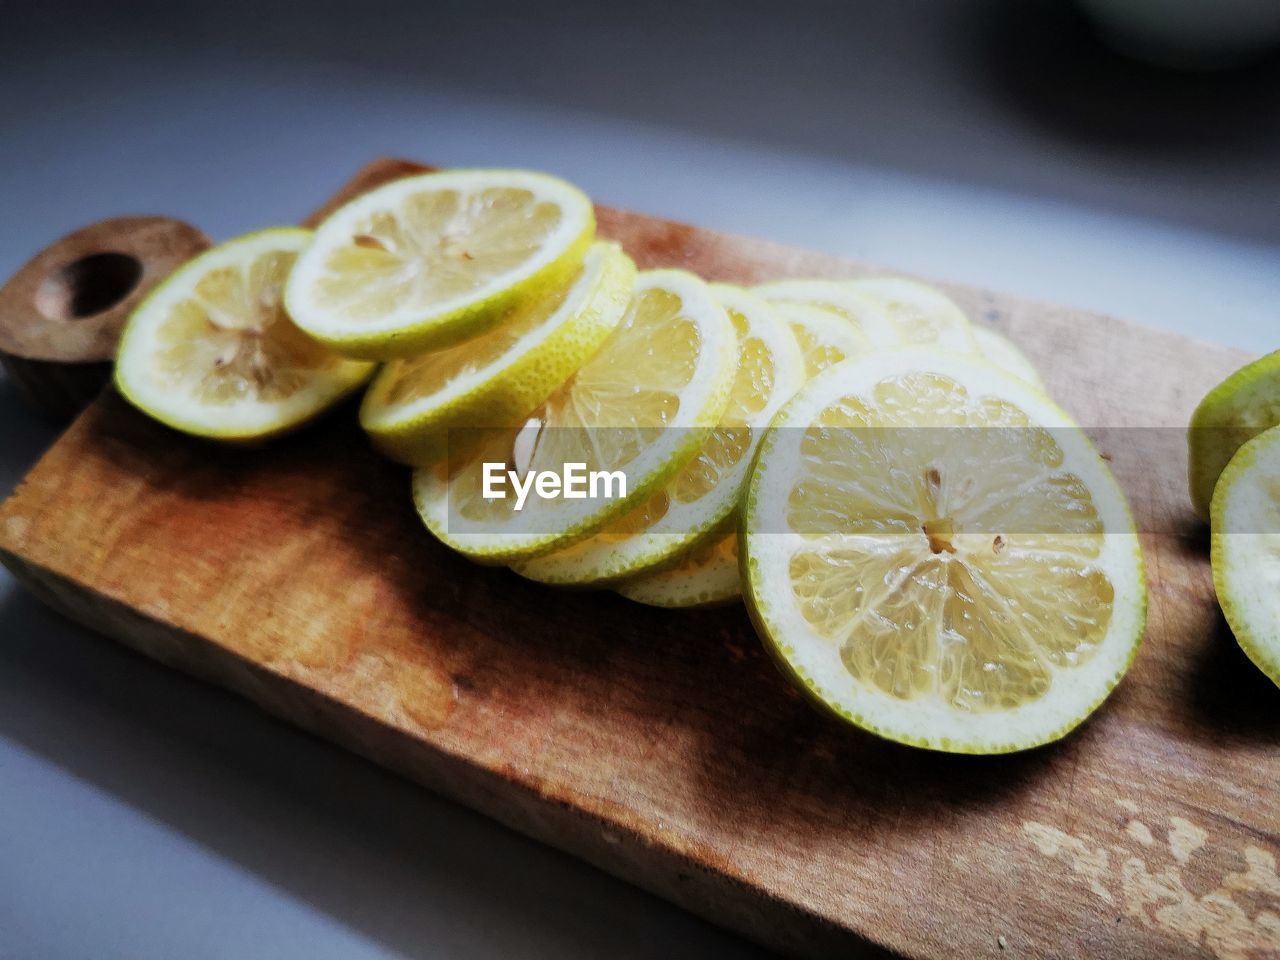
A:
[642,406]
[999,351]
[864,313]
[212,351]
[921,315]
[429,260]
[497,378]
[704,493]
[1246,549]
[824,338]
[707,576]
[937,554]
[1230,415]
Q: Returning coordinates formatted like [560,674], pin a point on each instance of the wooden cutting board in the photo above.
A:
[664,747]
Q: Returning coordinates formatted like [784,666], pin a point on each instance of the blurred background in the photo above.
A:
[1119,155]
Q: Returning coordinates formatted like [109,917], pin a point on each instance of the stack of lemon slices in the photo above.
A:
[923,538]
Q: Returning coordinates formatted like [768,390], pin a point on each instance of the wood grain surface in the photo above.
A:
[665,747]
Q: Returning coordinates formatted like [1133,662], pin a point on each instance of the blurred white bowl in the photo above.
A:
[1189,33]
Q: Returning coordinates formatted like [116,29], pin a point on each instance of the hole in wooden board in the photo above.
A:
[88,286]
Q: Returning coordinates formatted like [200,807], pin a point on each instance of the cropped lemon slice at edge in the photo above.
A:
[1245,547]
[1231,414]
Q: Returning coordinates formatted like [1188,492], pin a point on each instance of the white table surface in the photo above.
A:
[143,814]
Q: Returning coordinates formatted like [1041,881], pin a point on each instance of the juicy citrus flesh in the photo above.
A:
[824,338]
[1246,549]
[940,567]
[497,378]
[644,404]
[443,245]
[1230,415]
[430,260]
[234,330]
[705,576]
[706,490]
[214,352]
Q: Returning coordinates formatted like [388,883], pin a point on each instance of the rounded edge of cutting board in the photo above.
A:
[62,312]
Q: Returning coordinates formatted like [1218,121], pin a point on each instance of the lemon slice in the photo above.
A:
[864,313]
[921,315]
[937,554]
[707,576]
[1246,549]
[999,351]
[642,406]
[497,378]
[212,352]
[703,494]
[1230,415]
[824,338]
[429,260]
